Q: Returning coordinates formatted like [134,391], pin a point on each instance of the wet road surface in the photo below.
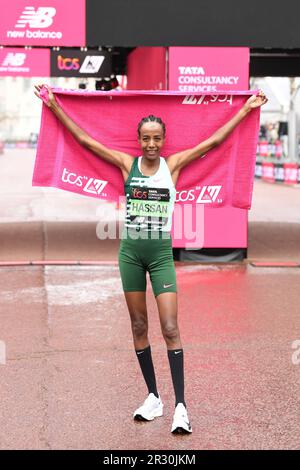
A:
[69,375]
[72,380]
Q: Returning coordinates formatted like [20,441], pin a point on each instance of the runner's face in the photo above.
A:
[151,140]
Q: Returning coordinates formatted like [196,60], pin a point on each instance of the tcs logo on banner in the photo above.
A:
[91,64]
[207,194]
[92,185]
[68,63]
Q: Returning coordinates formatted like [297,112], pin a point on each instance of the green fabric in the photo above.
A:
[148,208]
[137,256]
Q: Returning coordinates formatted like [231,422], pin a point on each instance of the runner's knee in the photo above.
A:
[139,327]
[170,332]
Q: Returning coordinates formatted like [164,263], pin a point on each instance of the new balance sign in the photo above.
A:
[33,62]
[29,22]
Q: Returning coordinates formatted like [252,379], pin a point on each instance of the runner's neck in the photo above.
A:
[152,167]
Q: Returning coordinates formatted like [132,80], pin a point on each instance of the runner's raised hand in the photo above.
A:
[49,100]
[256,100]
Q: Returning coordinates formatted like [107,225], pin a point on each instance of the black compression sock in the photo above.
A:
[146,364]
[176,365]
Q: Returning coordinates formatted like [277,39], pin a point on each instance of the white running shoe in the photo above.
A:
[150,409]
[181,423]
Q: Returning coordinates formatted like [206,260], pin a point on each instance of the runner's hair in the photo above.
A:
[151,118]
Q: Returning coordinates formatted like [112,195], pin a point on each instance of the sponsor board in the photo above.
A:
[75,63]
[208,69]
[24,62]
[47,23]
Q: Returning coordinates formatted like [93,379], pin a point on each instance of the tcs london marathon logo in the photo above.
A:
[32,23]
[91,64]
[206,194]
[91,185]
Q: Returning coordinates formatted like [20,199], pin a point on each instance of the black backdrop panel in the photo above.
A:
[275,66]
[76,63]
[252,23]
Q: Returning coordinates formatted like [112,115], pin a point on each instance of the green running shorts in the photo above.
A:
[137,256]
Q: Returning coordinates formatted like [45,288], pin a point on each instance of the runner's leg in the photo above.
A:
[136,303]
[167,307]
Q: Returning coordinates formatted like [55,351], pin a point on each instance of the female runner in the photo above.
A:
[146,243]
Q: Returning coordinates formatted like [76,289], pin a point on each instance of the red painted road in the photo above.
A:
[70,378]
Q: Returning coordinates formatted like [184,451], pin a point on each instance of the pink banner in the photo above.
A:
[24,62]
[43,23]
[221,178]
[208,69]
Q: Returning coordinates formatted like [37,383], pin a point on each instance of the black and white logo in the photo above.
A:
[91,64]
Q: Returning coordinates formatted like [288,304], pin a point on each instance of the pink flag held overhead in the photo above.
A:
[222,178]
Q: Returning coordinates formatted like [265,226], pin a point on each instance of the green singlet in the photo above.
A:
[146,243]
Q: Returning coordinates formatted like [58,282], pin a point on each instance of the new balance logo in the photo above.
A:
[91,64]
[138,181]
[167,285]
[40,18]
[14,59]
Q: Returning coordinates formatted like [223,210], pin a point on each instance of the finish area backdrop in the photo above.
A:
[129,23]
[222,178]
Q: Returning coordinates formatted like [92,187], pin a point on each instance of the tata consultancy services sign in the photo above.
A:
[43,23]
[208,69]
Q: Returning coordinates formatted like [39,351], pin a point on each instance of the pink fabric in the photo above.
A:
[112,118]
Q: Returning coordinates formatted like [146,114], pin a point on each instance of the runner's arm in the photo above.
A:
[179,160]
[120,159]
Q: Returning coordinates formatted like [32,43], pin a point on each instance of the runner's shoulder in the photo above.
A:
[126,159]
